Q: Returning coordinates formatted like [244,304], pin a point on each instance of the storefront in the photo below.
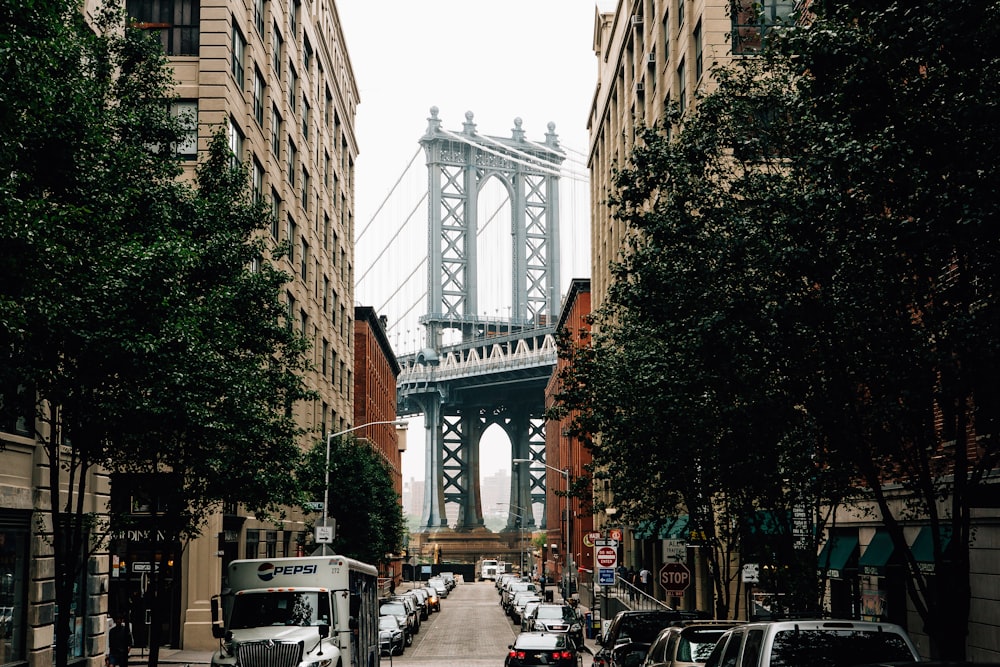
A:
[838,562]
[883,586]
[15,527]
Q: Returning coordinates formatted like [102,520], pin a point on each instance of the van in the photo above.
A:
[812,643]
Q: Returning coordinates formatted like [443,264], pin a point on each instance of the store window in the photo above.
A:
[14,539]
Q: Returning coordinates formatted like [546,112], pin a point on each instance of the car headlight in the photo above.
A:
[575,627]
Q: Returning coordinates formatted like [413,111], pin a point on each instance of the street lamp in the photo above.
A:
[521,519]
[326,471]
[565,474]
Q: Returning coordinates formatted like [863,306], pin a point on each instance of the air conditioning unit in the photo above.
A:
[651,58]
[640,87]
[636,19]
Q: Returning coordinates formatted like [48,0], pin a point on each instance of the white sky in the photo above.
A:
[500,59]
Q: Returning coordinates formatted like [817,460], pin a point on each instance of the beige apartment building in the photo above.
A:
[276,76]
[654,52]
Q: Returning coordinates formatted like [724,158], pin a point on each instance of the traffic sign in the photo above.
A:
[675,578]
[606,576]
[751,573]
[606,543]
[615,534]
[606,556]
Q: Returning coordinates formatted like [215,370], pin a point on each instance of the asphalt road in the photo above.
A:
[471,629]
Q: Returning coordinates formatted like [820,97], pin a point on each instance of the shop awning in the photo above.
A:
[877,554]
[923,547]
[674,528]
[645,530]
[838,554]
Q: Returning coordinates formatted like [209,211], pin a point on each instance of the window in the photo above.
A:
[305,189]
[15,532]
[258,16]
[253,541]
[698,58]
[326,293]
[304,261]
[307,55]
[235,142]
[177,22]
[290,315]
[271,544]
[305,118]
[275,213]
[303,322]
[290,237]
[275,132]
[681,85]
[680,13]
[258,96]
[239,53]
[186,111]
[327,108]
[326,352]
[293,18]
[752,19]
[326,169]
[257,180]
[293,85]
[277,46]
[292,158]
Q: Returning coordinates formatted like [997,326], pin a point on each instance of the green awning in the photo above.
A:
[645,530]
[877,554]
[837,554]
[674,528]
[923,547]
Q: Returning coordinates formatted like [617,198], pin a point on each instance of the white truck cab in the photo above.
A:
[317,611]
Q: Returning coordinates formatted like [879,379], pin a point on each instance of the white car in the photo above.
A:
[817,643]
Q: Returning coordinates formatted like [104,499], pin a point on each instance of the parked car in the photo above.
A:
[631,629]
[508,593]
[541,648]
[686,644]
[449,580]
[529,609]
[816,643]
[433,601]
[438,584]
[398,610]
[550,617]
[391,639]
[419,599]
[517,606]
[411,609]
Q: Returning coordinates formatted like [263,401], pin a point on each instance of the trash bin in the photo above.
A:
[549,595]
[591,625]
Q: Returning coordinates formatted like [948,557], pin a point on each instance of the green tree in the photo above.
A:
[363,500]
[141,313]
[806,310]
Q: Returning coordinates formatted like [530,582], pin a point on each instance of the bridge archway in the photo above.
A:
[496,370]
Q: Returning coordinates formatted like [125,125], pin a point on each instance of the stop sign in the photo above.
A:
[675,578]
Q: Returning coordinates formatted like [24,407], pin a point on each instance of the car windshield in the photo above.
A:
[396,608]
[254,610]
[388,623]
[837,648]
[643,628]
[695,645]
[531,640]
[560,613]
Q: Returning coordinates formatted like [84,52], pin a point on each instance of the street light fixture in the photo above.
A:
[566,554]
[326,470]
[521,520]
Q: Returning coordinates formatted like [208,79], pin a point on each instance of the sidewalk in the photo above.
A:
[171,656]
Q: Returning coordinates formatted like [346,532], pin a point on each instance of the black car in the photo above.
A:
[391,636]
[542,648]
[629,630]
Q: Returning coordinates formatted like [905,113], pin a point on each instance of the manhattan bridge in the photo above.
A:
[462,257]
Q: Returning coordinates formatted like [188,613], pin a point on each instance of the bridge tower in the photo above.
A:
[490,370]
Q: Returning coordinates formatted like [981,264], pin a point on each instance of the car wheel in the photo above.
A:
[409,639]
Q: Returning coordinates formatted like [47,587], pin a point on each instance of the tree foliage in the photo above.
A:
[143,314]
[363,500]
[806,306]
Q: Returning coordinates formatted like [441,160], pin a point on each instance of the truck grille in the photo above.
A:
[269,654]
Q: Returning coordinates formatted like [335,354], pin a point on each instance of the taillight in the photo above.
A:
[565,655]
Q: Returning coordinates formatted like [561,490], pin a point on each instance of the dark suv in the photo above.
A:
[632,632]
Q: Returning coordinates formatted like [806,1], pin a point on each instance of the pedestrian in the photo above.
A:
[392,585]
[645,579]
[630,577]
[119,642]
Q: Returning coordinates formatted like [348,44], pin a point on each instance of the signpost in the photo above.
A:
[606,576]
[675,578]
[606,556]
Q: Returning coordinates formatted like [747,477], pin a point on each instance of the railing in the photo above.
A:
[618,597]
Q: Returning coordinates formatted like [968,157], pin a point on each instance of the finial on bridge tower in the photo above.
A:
[433,123]
[517,134]
[551,138]
[468,126]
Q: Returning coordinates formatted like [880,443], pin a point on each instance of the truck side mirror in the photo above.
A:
[324,630]
[218,629]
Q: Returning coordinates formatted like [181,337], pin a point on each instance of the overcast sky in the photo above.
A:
[500,59]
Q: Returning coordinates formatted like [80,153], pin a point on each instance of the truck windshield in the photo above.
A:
[254,610]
